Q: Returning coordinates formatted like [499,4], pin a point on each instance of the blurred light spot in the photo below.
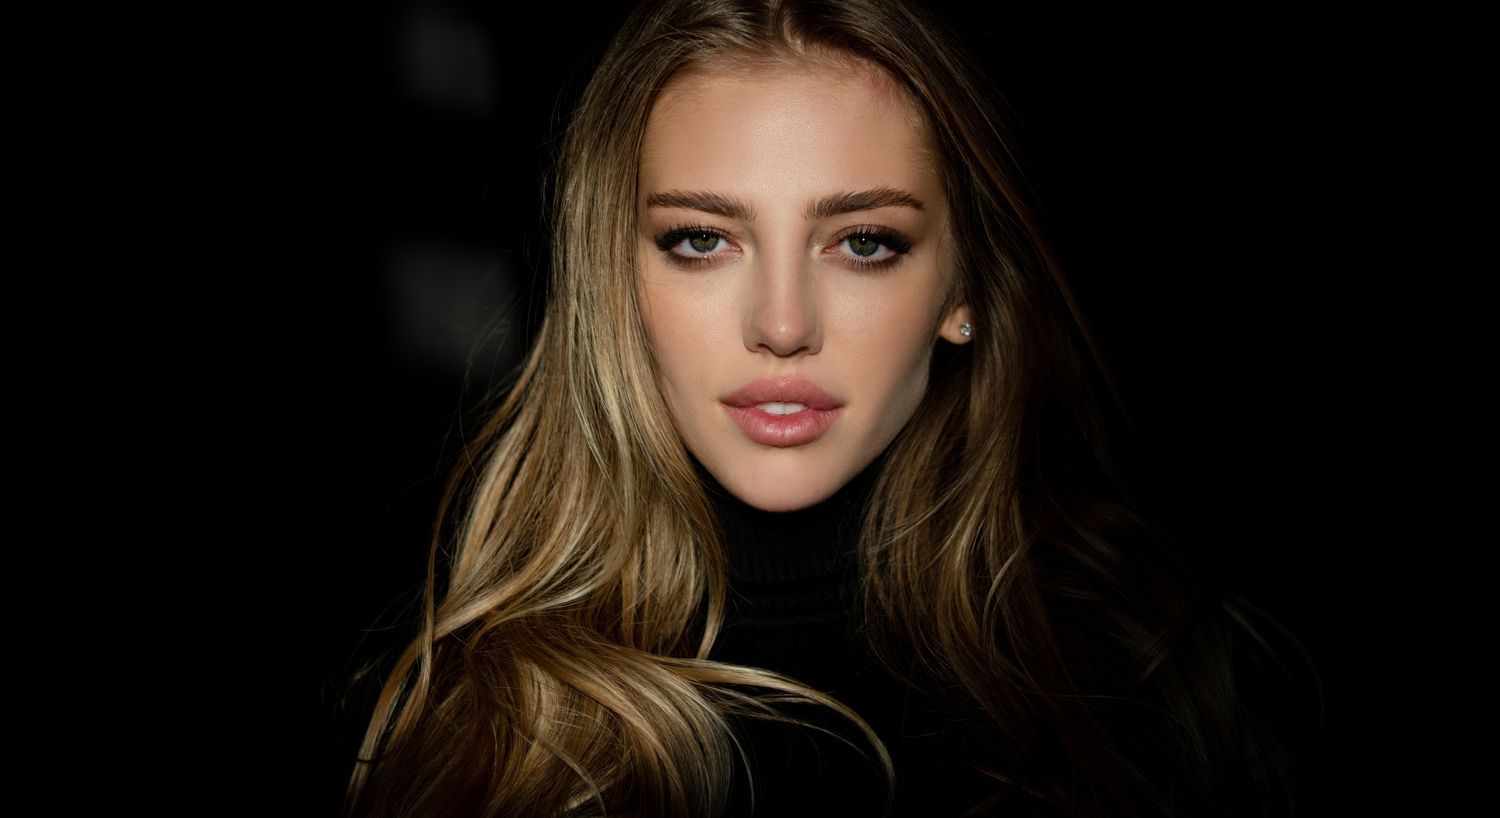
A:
[454,309]
[447,62]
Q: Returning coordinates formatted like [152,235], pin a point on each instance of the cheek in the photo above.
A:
[892,352]
[909,378]
[894,341]
[668,329]
[680,330]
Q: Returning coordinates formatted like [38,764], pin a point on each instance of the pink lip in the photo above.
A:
[782,431]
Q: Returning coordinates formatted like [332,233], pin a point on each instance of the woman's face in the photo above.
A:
[794,257]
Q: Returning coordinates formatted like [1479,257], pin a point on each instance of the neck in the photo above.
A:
[769,546]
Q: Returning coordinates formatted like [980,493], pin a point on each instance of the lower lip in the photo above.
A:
[783,431]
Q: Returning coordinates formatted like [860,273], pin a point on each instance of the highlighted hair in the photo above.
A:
[561,667]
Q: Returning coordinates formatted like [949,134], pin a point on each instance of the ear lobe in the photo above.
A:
[953,328]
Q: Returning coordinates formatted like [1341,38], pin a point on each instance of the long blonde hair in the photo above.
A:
[561,667]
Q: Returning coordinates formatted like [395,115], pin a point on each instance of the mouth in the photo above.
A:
[782,413]
[778,408]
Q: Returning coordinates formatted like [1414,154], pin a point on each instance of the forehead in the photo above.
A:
[747,127]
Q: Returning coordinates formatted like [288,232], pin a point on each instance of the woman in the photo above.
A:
[801,501]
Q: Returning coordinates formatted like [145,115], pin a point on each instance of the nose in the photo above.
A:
[783,312]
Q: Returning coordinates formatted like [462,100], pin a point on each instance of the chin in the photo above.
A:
[781,484]
[779,500]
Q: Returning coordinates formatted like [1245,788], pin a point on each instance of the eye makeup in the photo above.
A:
[684,245]
[865,247]
[873,238]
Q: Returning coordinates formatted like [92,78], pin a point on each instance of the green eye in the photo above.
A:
[692,246]
[864,245]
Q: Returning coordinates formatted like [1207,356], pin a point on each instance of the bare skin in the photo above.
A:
[793,228]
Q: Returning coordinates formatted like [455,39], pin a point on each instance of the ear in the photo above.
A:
[952,327]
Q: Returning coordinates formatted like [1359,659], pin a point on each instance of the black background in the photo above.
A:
[1213,180]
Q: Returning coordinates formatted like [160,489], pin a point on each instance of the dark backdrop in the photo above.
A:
[1205,176]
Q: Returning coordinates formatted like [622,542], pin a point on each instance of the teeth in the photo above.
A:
[780,408]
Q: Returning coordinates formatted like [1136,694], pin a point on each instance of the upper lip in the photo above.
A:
[783,390]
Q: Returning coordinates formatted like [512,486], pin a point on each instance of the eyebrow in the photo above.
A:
[835,205]
[704,201]
[841,203]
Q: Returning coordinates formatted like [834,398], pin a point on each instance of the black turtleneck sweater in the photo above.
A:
[794,609]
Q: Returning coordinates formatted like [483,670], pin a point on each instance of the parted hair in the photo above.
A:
[573,598]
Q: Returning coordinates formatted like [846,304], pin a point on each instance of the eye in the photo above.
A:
[703,242]
[872,247]
[692,245]
[863,246]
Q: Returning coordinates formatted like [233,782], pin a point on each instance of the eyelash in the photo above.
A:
[670,239]
[898,244]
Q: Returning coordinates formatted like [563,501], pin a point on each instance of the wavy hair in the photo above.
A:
[562,667]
